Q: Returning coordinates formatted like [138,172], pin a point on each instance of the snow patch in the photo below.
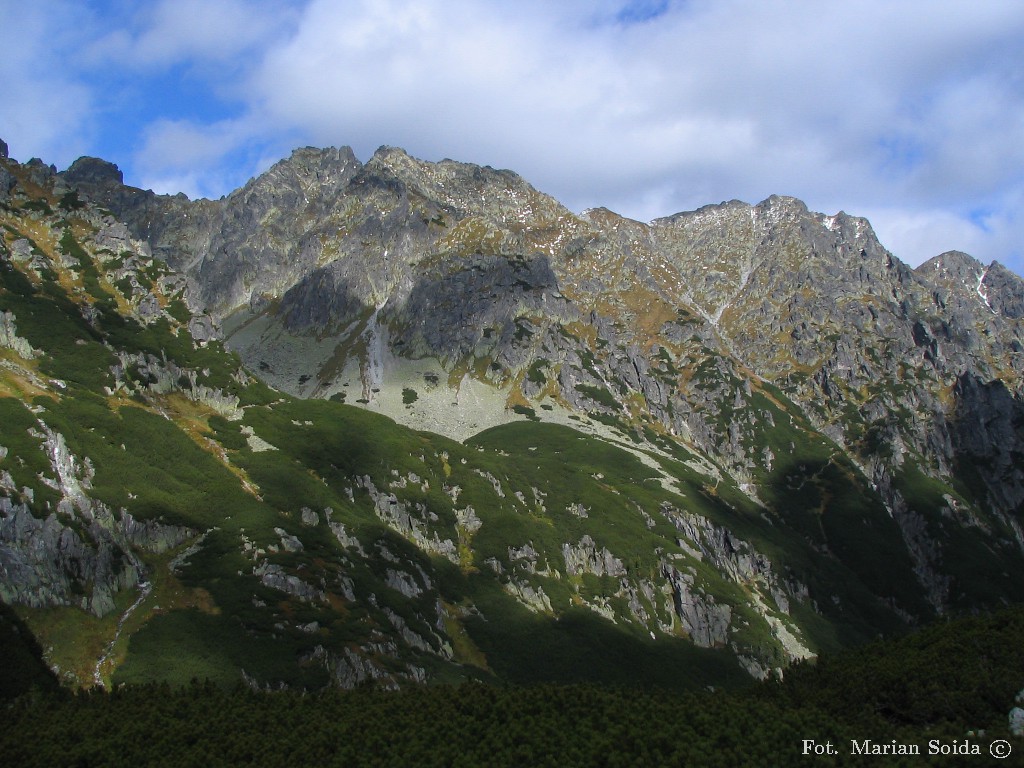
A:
[980,289]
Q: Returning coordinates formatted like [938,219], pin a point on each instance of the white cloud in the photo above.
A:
[560,103]
[184,156]
[912,110]
[972,134]
[916,235]
[170,31]
[180,143]
[726,99]
[46,112]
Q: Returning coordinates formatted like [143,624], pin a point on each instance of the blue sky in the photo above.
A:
[910,113]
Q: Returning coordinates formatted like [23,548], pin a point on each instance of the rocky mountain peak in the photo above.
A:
[607,218]
[388,155]
[710,211]
[307,171]
[1004,290]
[996,288]
[93,170]
[464,189]
[317,158]
[954,264]
[777,205]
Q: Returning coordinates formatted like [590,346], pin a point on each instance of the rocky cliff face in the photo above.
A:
[780,433]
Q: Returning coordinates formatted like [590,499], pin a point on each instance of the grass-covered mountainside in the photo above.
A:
[786,350]
[166,515]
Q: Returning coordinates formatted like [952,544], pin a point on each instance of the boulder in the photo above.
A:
[1017,721]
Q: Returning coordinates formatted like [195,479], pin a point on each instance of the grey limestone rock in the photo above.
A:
[152,535]
[46,562]
[1004,291]
[409,520]
[275,577]
[1017,716]
[351,669]
[203,329]
[39,173]
[115,237]
[289,542]
[149,308]
[1017,721]
[532,597]
[468,519]
[83,553]
[403,582]
[9,337]
[148,373]
[341,534]
[22,252]
[733,557]
[986,430]
[705,621]
[585,557]
[309,517]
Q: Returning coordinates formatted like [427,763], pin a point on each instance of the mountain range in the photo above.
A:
[405,421]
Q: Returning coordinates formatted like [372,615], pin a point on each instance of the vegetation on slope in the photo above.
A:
[309,544]
[171,431]
[951,685]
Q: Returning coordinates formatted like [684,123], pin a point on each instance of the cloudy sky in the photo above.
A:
[909,112]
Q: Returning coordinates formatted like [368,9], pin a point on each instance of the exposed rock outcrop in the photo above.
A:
[705,621]
[585,557]
[410,521]
[1017,716]
[148,373]
[81,560]
[9,338]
